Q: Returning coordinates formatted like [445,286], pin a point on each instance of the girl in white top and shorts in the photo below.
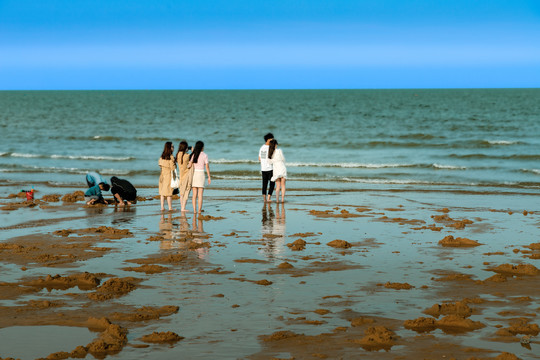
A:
[279,176]
[199,160]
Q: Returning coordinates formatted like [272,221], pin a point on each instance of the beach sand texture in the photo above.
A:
[371,275]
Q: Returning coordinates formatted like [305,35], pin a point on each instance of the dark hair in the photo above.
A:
[106,186]
[182,148]
[167,151]
[272,148]
[197,151]
[268,137]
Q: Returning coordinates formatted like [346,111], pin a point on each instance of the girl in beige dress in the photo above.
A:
[167,164]
[186,174]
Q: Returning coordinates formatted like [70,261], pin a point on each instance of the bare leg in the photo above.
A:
[184,201]
[162,202]
[200,196]
[194,199]
[169,202]
[278,183]
[283,189]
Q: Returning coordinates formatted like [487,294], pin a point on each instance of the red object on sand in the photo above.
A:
[30,195]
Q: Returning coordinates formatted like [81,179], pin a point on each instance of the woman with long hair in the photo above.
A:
[186,173]
[199,160]
[279,176]
[167,165]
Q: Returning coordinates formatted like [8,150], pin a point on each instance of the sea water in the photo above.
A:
[478,140]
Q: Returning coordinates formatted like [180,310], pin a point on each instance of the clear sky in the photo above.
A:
[268,44]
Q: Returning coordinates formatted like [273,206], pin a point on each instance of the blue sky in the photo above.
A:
[273,44]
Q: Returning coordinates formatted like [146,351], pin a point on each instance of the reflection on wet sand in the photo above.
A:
[273,229]
[123,215]
[179,235]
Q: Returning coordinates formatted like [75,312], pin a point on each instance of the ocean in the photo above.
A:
[467,140]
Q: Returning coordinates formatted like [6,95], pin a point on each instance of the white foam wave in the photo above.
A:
[23,155]
[449,167]
[350,165]
[501,142]
[534,171]
[229,161]
[90,157]
[314,164]
[114,172]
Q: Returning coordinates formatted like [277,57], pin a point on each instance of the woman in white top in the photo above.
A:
[276,158]
[199,160]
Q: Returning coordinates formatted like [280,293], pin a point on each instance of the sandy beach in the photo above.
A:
[357,274]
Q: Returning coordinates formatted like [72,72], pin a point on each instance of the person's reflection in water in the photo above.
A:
[279,222]
[198,231]
[273,229]
[267,222]
[123,215]
[166,230]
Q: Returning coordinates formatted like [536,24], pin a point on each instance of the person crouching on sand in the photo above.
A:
[93,195]
[199,160]
[186,174]
[123,191]
[276,158]
[167,164]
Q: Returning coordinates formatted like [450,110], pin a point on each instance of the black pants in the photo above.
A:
[266,176]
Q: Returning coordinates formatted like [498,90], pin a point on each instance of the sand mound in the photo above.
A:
[251,261]
[285,265]
[263,282]
[522,326]
[458,308]
[497,278]
[146,313]
[448,324]
[280,335]
[456,323]
[321,311]
[297,245]
[162,337]
[147,269]
[193,245]
[533,246]
[522,269]
[330,214]
[306,234]
[98,324]
[51,198]
[113,288]
[107,230]
[422,324]
[84,281]
[450,241]
[271,236]
[377,338]
[398,286]
[342,244]
[111,341]
[209,217]
[506,356]
[73,197]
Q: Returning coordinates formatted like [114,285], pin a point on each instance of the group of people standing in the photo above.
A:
[185,171]
[190,176]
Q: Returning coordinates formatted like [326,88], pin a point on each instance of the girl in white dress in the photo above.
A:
[276,158]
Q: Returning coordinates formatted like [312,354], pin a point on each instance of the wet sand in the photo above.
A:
[385,275]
